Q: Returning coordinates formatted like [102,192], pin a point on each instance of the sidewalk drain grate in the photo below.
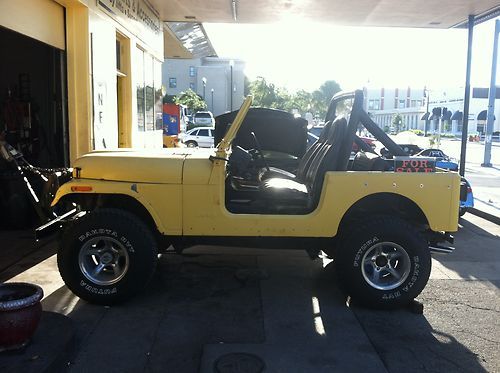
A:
[239,362]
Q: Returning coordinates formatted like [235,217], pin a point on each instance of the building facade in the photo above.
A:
[219,81]
[384,103]
[79,76]
[437,108]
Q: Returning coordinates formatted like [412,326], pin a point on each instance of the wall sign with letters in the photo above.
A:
[137,16]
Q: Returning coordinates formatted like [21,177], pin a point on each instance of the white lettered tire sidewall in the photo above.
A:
[109,224]
[358,241]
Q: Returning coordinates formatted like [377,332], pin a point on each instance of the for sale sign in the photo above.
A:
[414,164]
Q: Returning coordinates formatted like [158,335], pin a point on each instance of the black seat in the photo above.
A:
[304,163]
[300,196]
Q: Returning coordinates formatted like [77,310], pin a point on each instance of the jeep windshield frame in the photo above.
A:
[225,145]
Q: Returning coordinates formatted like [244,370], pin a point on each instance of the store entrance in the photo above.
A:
[33,99]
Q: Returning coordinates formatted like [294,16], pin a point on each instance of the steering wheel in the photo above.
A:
[259,150]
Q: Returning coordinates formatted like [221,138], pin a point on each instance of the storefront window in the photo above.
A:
[158,95]
[140,91]
[149,93]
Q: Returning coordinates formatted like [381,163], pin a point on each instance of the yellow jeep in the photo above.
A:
[379,224]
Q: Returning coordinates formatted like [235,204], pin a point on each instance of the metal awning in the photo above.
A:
[436,113]
[446,115]
[483,115]
[457,115]
[192,37]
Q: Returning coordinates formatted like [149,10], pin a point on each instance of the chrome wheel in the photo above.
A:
[103,260]
[386,265]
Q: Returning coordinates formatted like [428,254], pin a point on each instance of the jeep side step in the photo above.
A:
[441,249]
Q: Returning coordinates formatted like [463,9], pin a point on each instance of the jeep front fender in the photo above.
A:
[162,201]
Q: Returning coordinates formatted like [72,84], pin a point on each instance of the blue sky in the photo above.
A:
[304,57]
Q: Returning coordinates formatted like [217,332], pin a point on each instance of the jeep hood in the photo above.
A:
[162,166]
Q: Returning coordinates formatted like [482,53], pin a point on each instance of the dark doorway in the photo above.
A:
[33,99]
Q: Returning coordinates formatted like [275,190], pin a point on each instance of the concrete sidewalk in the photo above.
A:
[485,182]
[287,310]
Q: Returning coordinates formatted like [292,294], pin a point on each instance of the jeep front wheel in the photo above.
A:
[383,263]
[107,256]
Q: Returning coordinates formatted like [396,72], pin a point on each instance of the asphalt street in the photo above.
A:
[285,309]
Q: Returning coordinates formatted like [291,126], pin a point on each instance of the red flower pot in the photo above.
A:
[20,312]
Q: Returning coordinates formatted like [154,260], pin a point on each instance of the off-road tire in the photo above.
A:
[357,262]
[127,233]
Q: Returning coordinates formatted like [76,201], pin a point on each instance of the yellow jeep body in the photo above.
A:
[183,190]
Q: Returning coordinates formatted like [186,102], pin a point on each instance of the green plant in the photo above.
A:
[191,99]
[398,123]
[267,94]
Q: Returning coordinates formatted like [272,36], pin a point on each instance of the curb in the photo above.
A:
[492,218]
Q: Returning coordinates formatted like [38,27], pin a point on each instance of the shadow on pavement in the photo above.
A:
[404,341]
[20,251]
[223,300]
[190,302]
[476,255]
[474,228]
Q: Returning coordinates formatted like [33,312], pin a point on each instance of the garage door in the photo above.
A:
[39,19]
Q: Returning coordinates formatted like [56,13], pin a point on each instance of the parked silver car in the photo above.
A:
[203,118]
[202,137]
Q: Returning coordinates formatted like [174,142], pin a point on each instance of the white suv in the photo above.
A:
[203,118]
[199,136]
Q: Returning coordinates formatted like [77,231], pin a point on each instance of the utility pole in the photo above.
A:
[231,64]
[426,125]
[465,125]
[204,81]
[491,100]
[212,92]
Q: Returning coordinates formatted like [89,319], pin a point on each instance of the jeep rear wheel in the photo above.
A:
[383,263]
[107,256]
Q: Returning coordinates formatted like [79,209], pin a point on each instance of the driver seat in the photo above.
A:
[272,172]
[281,195]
